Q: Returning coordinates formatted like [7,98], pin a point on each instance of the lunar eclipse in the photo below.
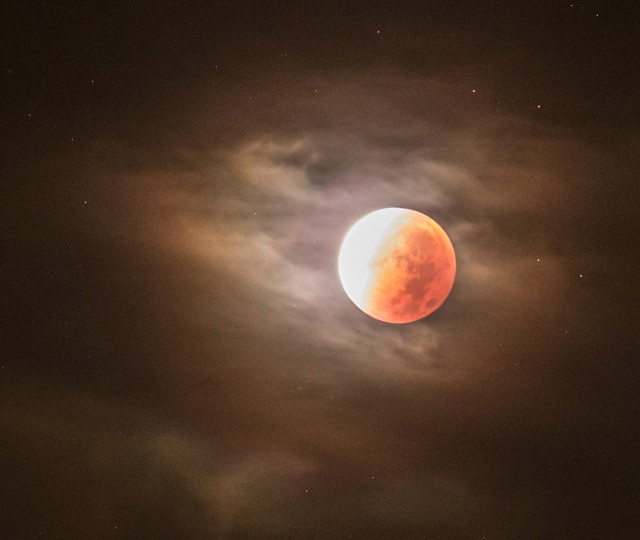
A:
[320,270]
[397,265]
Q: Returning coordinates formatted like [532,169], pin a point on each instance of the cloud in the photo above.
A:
[282,394]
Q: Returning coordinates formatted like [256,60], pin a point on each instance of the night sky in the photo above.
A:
[178,358]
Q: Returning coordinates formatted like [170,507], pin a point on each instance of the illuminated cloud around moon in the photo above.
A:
[397,265]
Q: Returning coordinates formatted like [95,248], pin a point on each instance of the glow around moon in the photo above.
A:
[397,265]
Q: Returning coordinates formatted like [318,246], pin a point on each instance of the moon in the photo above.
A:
[397,265]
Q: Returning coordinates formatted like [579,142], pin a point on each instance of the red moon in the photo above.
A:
[397,265]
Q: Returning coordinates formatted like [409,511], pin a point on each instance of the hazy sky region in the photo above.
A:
[179,359]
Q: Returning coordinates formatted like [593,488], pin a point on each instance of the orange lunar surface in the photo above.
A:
[397,265]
